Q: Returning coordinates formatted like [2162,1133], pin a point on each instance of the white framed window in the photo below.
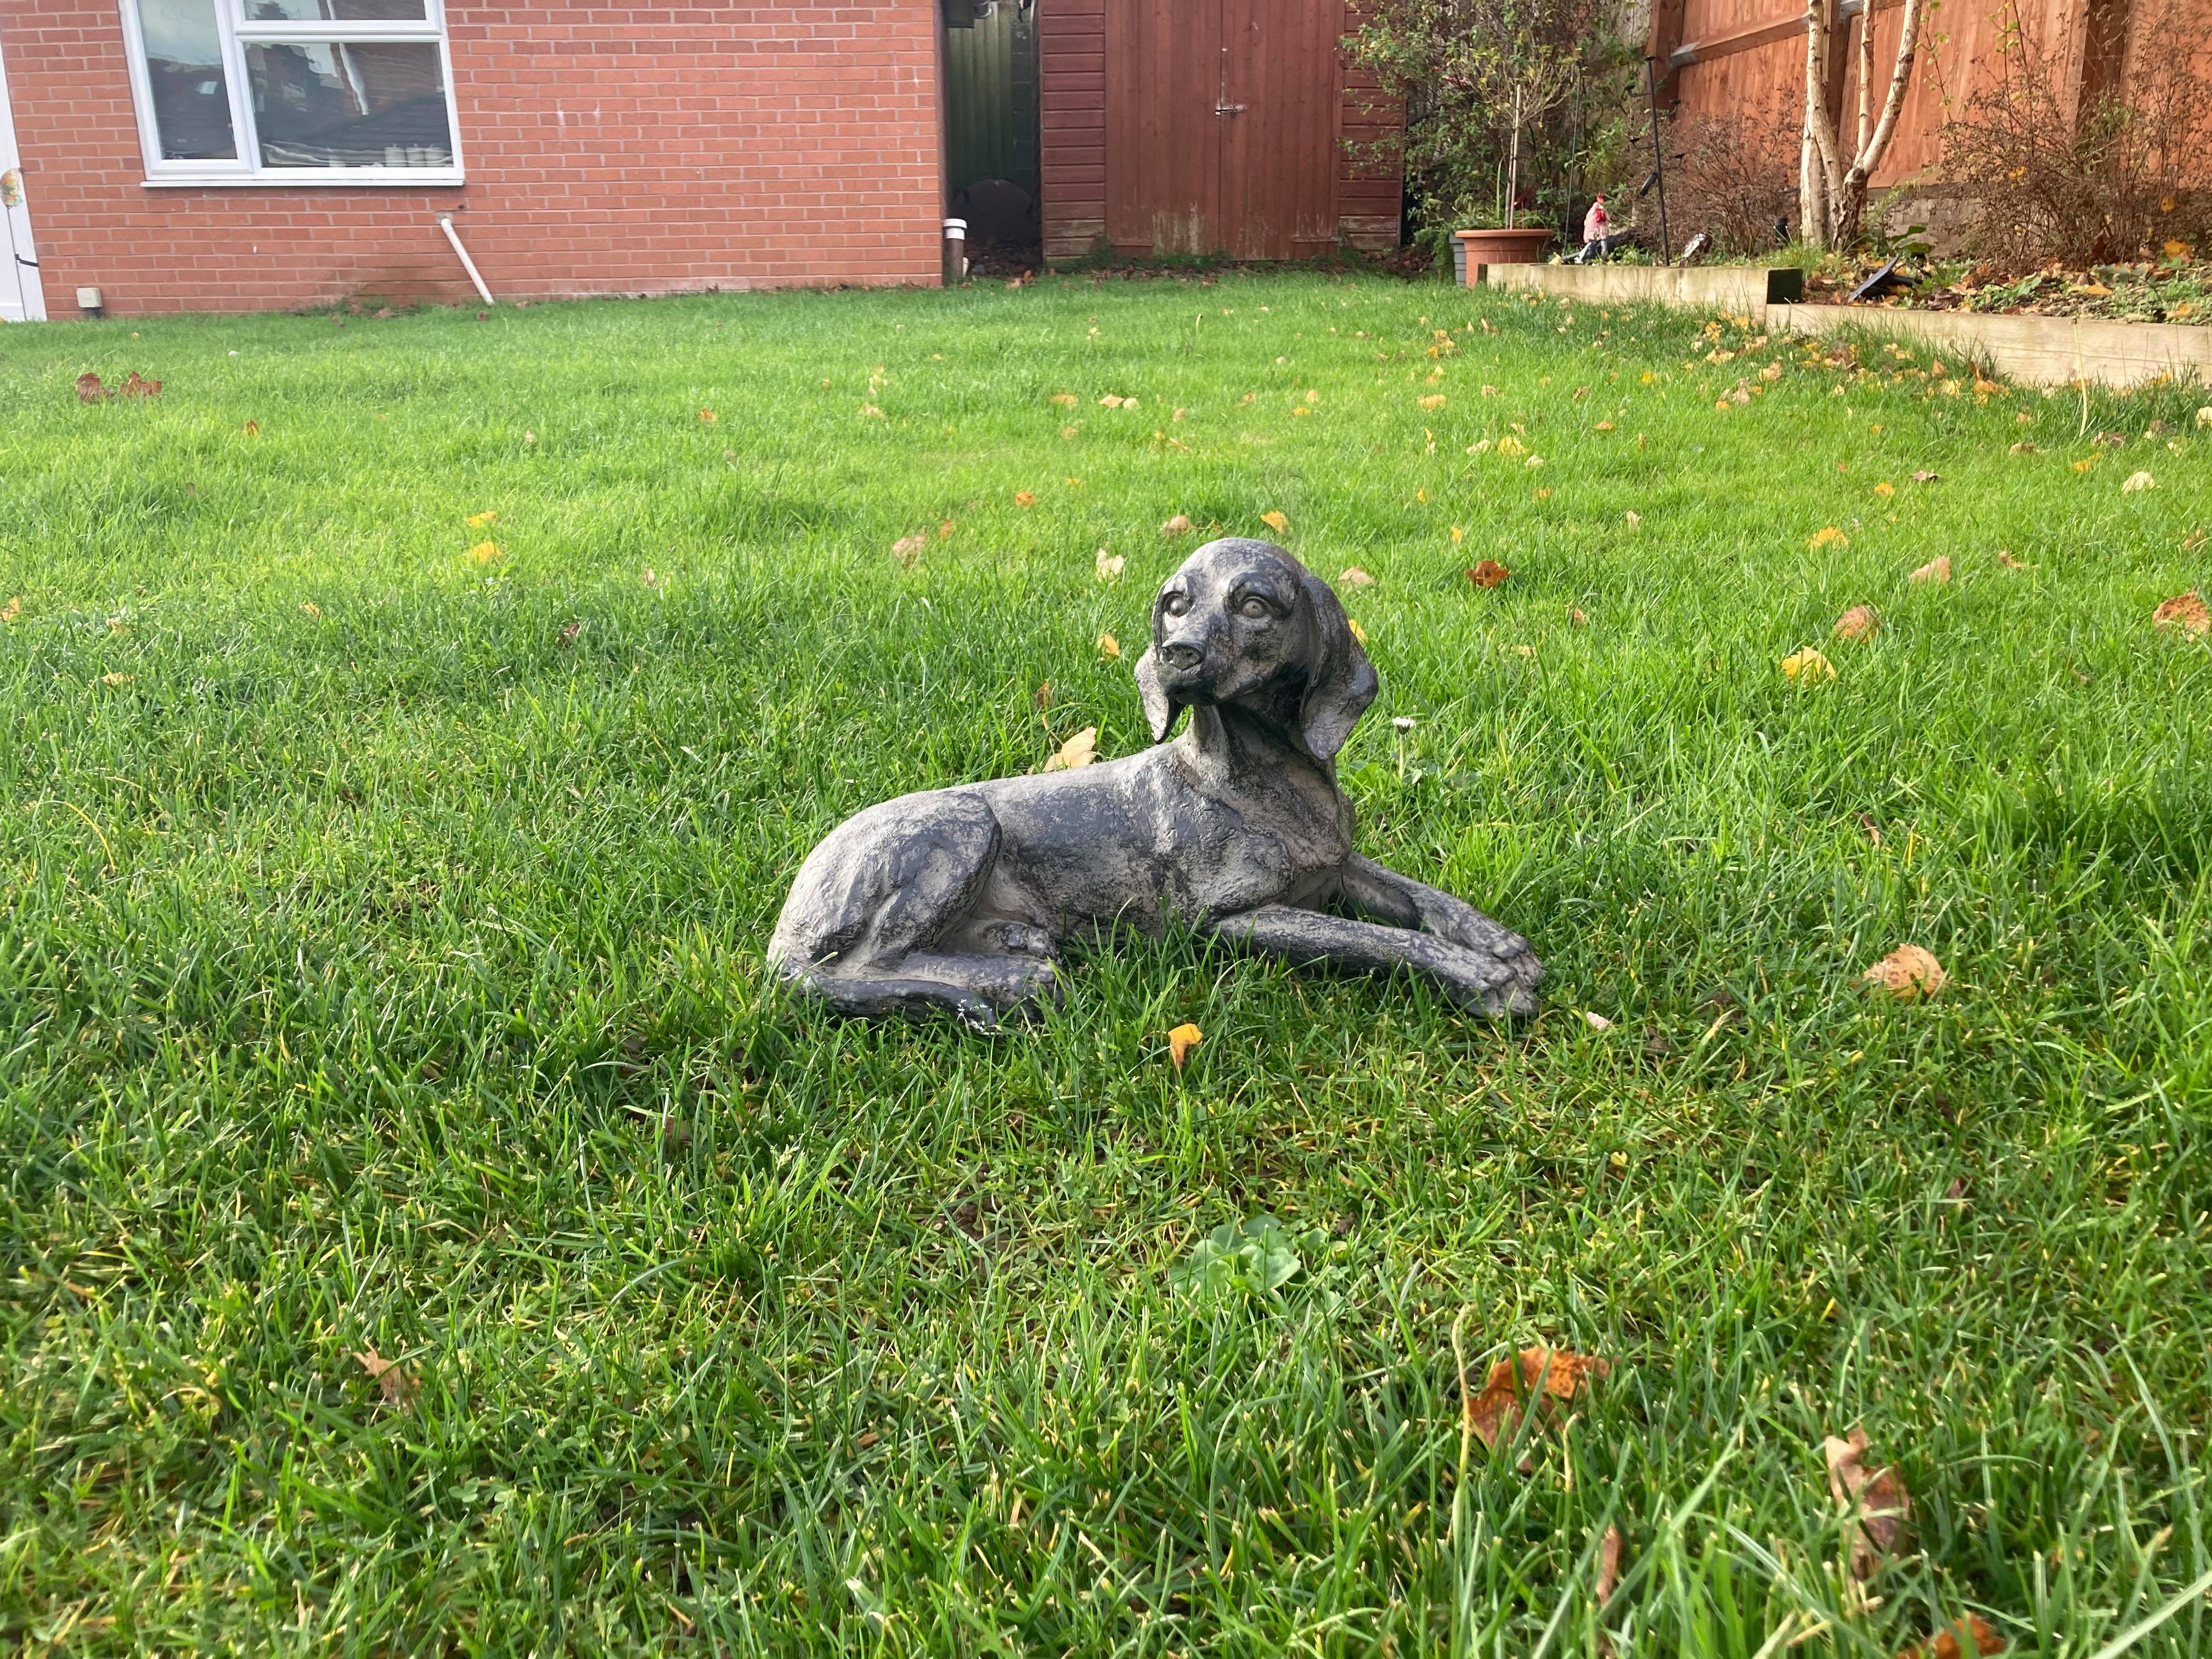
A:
[295,92]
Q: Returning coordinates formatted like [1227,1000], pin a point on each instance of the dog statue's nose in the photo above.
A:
[1181,656]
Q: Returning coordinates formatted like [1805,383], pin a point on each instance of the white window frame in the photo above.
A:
[236,33]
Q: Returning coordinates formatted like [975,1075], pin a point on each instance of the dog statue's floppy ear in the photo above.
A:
[1341,682]
[1160,709]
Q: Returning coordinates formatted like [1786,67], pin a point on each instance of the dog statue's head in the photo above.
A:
[1244,623]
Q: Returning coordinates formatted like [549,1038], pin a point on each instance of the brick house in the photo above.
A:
[252,155]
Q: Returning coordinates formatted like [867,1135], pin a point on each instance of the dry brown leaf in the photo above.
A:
[1579,618]
[1972,1635]
[1107,565]
[2006,559]
[2185,612]
[1858,623]
[1064,400]
[1043,695]
[1276,522]
[907,549]
[1937,570]
[1080,749]
[1181,1040]
[1908,973]
[252,429]
[1876,1499]
[1547,1373]
[1926,477]
[944,530]
[2136,481]
[1608,1565]
[390,1377]
[1178,526]
[88,388]
[1487,573]
[1109,647]
[1353,576]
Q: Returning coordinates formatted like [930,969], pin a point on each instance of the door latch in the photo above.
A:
[1229,109]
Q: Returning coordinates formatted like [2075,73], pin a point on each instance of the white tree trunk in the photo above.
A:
[1846,186]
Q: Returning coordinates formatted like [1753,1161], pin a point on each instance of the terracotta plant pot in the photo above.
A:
[1523,245]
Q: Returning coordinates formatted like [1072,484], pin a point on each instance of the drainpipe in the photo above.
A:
[445,224]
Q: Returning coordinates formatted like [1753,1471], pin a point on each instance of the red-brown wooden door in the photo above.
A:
[1221,120]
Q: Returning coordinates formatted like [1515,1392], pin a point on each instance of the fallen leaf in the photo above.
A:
[1885,488]
[1358,632]
[707,418]
[12,609]
[1925,476]
[1876,1499]
[1937,570]
[1043,695]
[2006,559]
[1312,396]
[484,552]
[2024,447]
[1110,401]
[1109,647]
[1509,445]
[1353,576]
[869,411]
[907,549]
[310,607]
[1857,623]
[1608,1565]
[1024,498]
[115,679]
[1078,751]
[530,437]
[1066,399]
[390,1377]
[1178,526]
[1808,666]
[2136,481]
[88,388]
[1597,1021]
[569,631]
[135,387]
[1908,973]
[2205,416]
[478,521]
[2185,612]
[944,530]
[1828,536]
[251,428]
[1487,573]
[1633,519]
[1872,830]
[1181,1040]
[1603,426]
[1972,1635]
[1276,522]
[2085,463]
[1109,565]
[1548,1374]
[1434,400]
[648,576]
[1579,618]
[1456,533]
[1533,461]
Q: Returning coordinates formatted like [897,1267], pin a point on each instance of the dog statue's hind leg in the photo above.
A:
[882,919]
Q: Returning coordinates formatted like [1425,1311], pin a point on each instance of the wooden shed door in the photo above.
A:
[1221,122]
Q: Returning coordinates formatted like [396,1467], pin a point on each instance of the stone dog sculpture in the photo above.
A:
[956,899]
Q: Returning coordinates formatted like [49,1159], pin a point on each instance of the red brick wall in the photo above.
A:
[610,149]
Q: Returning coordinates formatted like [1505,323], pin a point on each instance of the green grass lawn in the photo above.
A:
[382,977]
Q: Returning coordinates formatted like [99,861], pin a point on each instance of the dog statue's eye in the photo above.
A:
[1176,604]
[1256,608]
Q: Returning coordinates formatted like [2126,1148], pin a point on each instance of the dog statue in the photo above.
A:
[957,899]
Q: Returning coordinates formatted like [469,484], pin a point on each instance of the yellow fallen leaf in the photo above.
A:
[1858,623]
[2185,612]
[1181,1040]
[1509,445]
[1885,488]
[1936,570]
[1353,576]
[1421,495]
[115,679]
[2205,416]
[1434,400]
[1491,390]
[12,609]
[1078,751]
[2136,481]
[2085,464]
[1067,432]
[1358,632]
[1109,647]
[1533,461]
[1128,403]
[1457,533]
[1807,666]
[1828,536]
[1300,409]
[1107,565]
[1632,518]
[1908,973]
[478,521]
[484,552]
[310,607]
[1276,522]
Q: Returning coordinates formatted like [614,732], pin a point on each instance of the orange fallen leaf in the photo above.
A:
[1578,617]
[1487,573]
[1181,1040]
[484,552]
[1828,536]
[1858,624]
[1024,498]
[1109,647]
[1545,1374]
[1078,751]
[707,418]
[944,530]
[1876,1499]
[1936,570]
[1353,576]
[1177,526]
[1908,973]
[2185,612]
[251,428]
[1276,522]
[1972,1635]
[390,1377]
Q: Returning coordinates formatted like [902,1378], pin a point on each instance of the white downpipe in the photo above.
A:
[445,224]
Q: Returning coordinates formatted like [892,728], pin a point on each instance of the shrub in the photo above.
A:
[1733,176]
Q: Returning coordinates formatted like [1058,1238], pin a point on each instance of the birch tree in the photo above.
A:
[1834,201]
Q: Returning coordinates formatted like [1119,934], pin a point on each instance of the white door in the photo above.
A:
[21,299]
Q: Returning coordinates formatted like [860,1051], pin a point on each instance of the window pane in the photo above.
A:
[183,61]
[350,106]
[344,11]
